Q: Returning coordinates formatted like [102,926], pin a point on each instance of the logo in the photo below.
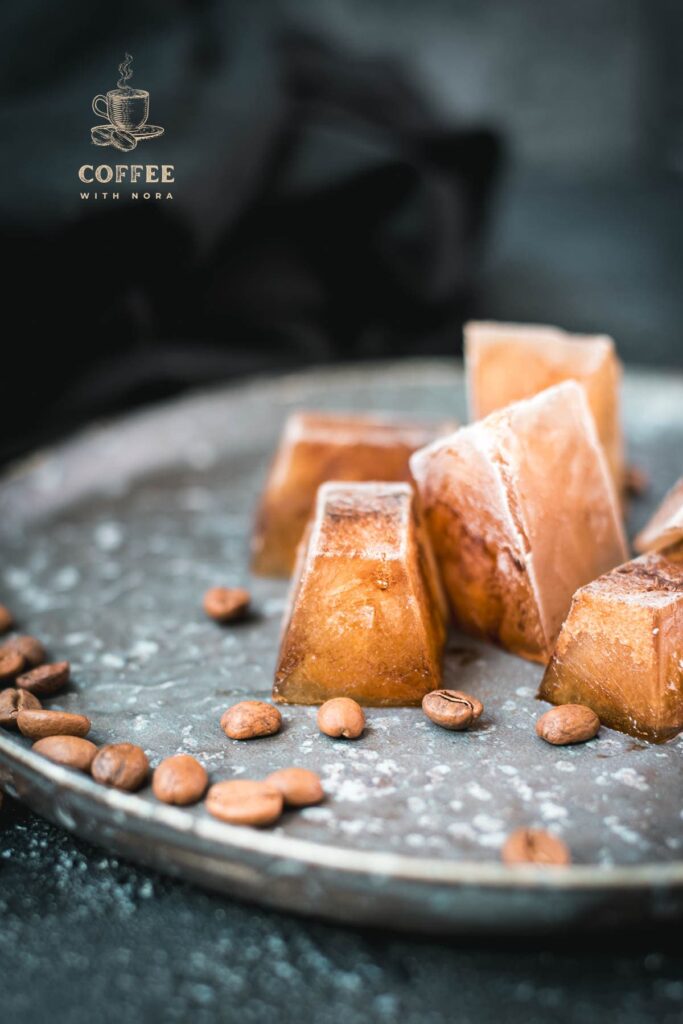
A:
[126,112]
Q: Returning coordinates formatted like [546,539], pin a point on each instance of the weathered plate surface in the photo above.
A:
[108,543]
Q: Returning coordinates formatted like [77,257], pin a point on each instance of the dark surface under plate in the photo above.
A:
[108,544]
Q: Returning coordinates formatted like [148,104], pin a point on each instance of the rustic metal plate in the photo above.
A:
[107,545]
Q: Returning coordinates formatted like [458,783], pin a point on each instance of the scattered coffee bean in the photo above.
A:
[250,719]
[451,709]
[71,751]
[180,780]
[341,716]
[6,619]
[31,649]
[14,701]
[12,664]
[242,802]
[226,604]
[36,723]
[636,481]
[46,679]
[534,846]
[121,765]
[299,786]
[568,723]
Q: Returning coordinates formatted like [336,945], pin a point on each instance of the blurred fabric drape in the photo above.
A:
[321,209]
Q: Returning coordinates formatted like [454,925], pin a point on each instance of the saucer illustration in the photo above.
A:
[147,131]
[125,111]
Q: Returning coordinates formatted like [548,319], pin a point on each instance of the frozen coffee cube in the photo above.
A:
[666,526]
[621,649]
[508,362]
[316,447]
[522,511]
[366,615]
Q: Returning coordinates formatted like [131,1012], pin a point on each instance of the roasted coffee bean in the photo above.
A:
[568,723]
[11,665]
[250,719]
[121,765]
[36,723]
[636,481]
[6,619]
[46,679]
[226,604]
[14,701]
[71,751]
[341,716]
[534,846]
[299,786]
[242,802]
[451,709]
[31,649]
[180,780]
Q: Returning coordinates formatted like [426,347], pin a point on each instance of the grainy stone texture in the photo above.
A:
[166,951]
[155,950]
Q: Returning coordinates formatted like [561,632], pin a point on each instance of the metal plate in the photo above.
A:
[108,543]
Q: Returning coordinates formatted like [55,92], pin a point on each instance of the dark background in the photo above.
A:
[353,179]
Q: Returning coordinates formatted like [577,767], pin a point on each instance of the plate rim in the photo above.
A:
[326,856]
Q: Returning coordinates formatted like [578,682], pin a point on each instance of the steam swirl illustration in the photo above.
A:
[125,70]
[125,111]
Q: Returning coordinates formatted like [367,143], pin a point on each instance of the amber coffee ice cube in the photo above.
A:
[522,511]
[620,651]
[316,447]
[666,526]
[366,615]
[508,362]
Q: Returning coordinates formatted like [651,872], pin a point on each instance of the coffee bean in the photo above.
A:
[179,780]
[250,719]
[36,723]
[242,802]
[6,619]
[341,716]
[71,751]
[100,135]
[636,481]
[226,604]
[451,709]
[121,765]
[11,665]
[534,846]
[568,723]
[299,787]
[46,679]
[14,701]
[122,140]
[31,649]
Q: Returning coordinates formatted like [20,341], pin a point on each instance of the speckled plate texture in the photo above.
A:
[107,545]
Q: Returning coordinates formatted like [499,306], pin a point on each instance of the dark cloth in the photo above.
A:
[321,211]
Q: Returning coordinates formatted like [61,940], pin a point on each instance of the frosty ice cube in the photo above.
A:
[366,614]
[316,447]
[522,511]
[621,649]
[508,362]
[666,526]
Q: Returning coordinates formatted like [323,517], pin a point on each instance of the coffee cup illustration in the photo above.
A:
[125,111]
